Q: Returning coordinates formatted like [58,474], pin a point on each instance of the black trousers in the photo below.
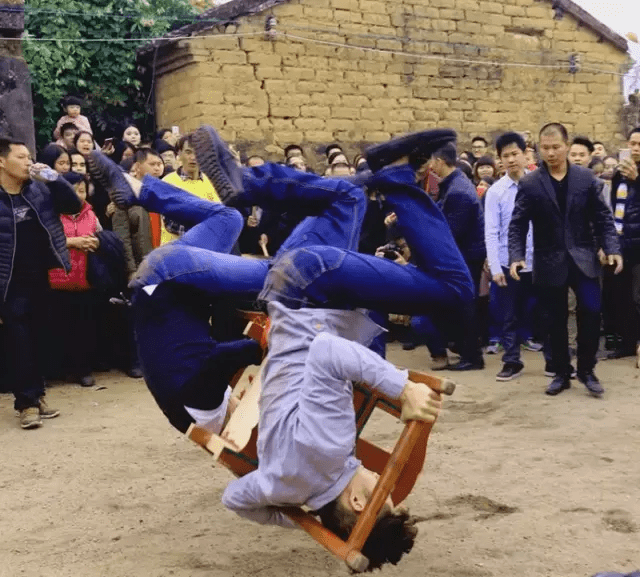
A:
[625,301]
[24,319]
[554,301]
[72,347]
[470,346]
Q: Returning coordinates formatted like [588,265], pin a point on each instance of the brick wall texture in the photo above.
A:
[264,94]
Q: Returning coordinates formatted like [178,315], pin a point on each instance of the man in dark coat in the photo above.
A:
[570,223]
[31,242]
[461,206]
[625,201]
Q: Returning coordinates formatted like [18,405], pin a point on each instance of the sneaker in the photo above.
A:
[218,162]
[557,385]
[592,383]
[30,418]
[530,345]
[110,176]
[494,349]
[510,371]
[46,412]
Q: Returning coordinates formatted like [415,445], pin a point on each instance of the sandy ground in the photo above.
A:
[516,483]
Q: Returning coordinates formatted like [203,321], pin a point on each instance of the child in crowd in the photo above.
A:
[73,302]
[72,108]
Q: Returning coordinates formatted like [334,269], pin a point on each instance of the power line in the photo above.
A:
[446,58]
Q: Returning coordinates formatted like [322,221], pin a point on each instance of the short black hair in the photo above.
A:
[73,151]
[143,153]
[633,131]
[596,142]
[6,143]
[583,141]
[160,134]
[509,138]
[186,139]
[331,147]
[555,127]
[475,138]
[448,153]
[291,147]
[67,126]
[79,134]
[72,101]
[163,146]
[391,537]
[50,154]
[465,167]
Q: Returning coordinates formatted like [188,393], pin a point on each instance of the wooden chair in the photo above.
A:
[235,448]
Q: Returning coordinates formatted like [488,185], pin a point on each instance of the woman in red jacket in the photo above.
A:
[73,300]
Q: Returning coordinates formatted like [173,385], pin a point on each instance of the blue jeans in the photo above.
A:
[182,364]
[516,303]
[335,277]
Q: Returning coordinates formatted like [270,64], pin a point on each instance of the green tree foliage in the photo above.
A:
[102,73]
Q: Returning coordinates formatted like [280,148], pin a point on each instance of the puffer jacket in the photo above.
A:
[83,224]
[49,201]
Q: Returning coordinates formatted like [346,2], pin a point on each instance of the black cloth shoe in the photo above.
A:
[557,385]
[592,383]
[510,371]
[218,162]
[109,175]
[419,146]
[466,366]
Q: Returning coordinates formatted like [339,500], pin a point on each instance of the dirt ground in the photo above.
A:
[516,483]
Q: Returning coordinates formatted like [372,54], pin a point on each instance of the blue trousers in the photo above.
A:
[516,304]
[316,266]
[182,364]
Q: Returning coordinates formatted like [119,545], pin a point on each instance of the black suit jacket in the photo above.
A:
[587,224]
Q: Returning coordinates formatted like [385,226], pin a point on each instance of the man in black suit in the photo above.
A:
[570,221]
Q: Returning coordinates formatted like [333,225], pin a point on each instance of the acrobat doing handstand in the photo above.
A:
[314,289]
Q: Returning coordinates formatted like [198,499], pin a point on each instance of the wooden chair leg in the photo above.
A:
[399,458]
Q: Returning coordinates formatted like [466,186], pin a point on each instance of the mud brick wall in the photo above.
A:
[264,94]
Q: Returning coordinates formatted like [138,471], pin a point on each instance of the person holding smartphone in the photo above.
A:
[625,202]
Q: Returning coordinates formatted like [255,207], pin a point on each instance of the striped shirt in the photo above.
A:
[621,205]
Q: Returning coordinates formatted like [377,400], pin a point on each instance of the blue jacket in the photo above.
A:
[48,201]
[461,206]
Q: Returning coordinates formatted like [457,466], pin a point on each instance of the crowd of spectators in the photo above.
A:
[84,326]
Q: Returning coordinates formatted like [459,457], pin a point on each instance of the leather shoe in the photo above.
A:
[557,385]
[466,366]
[87,381]
[419,146]
[218,162]
[592,383]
